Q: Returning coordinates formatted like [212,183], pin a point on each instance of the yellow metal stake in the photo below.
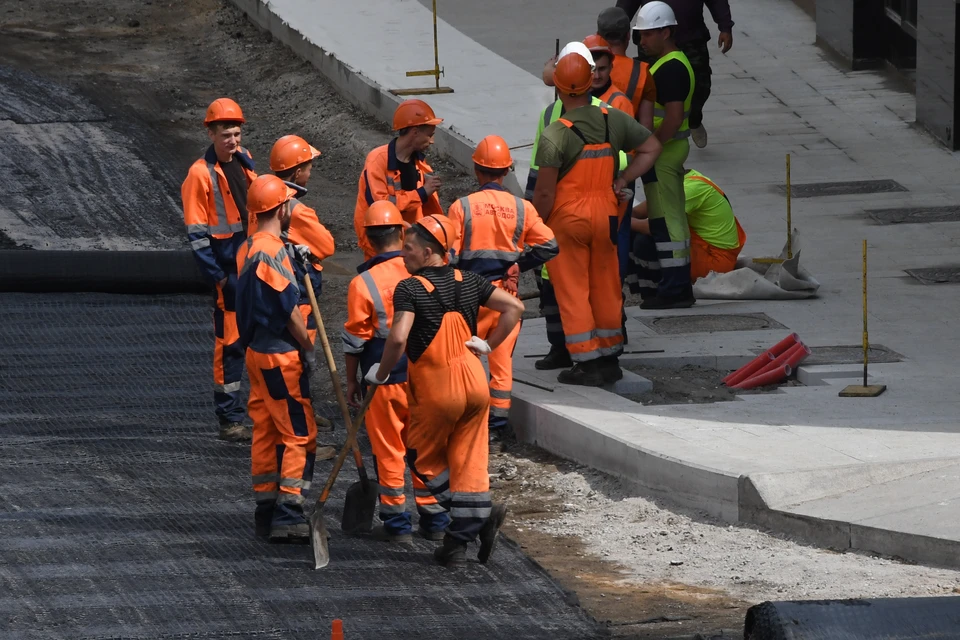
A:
[864,390]
[436,72]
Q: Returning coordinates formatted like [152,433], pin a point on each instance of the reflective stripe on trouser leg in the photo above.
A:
[550,311]
[385,423]
[228,365]
[282,411]
[646,266]
[668,221]
[500,364]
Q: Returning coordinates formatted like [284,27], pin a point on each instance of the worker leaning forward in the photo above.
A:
[500,236]
[580,191]
[435,325]
[398,172]
[665,197]
[214,200]
[369,319]
[291,160]
[279,355]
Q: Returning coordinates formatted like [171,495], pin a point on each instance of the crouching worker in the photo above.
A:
[369,318]
[435,324]
[716,237]
[279,357]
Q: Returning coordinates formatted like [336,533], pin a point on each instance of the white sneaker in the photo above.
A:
[699,136]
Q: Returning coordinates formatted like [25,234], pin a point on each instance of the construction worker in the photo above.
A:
[369,318]
[435,324]
[398,172]
[716,237]
[579,186]
[692,38]
[279,355]
[500,236]
[632,76]
[291,159]
[214,199]
[665,197]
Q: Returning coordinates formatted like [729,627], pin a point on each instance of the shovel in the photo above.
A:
[361,500]
[318,531]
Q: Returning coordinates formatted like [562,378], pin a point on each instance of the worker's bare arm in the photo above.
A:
[510,309]
[672,119]
[396,343]
[299,330]
[645,116]
[546,191]
[643,161]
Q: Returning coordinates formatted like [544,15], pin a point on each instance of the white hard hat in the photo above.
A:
[580,49]
[655,15]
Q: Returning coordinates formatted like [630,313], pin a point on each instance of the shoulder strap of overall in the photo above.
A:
[573,127]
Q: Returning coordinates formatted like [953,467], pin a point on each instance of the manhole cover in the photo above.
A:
[851,355]
[907,215]
[817,189]
[936,275]
[710,323]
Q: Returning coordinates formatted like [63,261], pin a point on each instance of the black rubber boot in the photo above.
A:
[262,518]
[683,301]
[489,532]
[289,524]
[610,369]
[558,358]
[586,374]
[452,554]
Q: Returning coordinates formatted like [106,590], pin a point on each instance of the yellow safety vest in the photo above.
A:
[658,109]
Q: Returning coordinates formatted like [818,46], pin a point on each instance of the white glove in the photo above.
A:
[479,346]
[371,377]
[309,357]
[302,252]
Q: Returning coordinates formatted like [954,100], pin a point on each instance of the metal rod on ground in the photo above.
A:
[436,48]
[789,220]
[865,390]
[436,72]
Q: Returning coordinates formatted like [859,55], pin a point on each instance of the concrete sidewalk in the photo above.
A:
[873,474]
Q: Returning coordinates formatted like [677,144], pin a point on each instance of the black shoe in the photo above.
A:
[488,534]
[426,534]
[558,358]
[262,518]
[289,524]
[452,554]
[235,432]
[673,302]
[610,369]
[586,374]
[380,533]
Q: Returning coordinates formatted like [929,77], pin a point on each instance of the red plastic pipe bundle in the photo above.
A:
[772,366]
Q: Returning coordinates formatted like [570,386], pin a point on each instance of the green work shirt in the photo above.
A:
[559,146]
[709,213]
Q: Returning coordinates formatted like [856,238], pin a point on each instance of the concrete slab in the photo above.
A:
[868,474]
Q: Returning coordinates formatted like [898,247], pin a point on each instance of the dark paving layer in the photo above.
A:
[122,515]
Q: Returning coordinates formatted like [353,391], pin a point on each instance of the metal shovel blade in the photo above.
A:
[318,540]
[358,508]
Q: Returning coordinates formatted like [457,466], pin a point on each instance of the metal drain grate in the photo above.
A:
[820,189]
[851,355]
[936,275]
[672,325]
[908,215]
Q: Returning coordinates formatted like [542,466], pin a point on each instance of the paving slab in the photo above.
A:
[870,474]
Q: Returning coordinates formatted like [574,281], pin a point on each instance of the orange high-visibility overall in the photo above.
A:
[585,218]
[369,318]
[447,442]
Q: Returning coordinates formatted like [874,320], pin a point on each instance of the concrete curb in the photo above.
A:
[356,88]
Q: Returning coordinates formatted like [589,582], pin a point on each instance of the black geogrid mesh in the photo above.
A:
[122,515]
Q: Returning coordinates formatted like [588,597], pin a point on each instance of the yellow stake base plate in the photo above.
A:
[860,391]
[418,92]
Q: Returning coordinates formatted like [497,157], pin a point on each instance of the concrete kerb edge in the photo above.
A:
[356,88]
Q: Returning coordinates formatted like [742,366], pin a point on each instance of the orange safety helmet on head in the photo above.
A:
[493,153]
[383,213]
[414,113]
[224,110]
[267,193]
[573,74]
[440,228]
[290,151]
[597,44]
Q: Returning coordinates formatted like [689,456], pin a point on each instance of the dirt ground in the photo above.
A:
[644,570]
[690,384]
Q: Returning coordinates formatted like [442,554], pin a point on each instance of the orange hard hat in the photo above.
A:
[266,193]
[224,110]
[382,213]
[573,74]
[440,228]
[493,153]
[597,44]
[290,151]
[414,113]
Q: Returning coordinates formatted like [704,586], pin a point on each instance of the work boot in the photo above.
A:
[433,525]
[699,136]
[673,302]
[262,517]
[586,374]
[610,369]
[558,358]
[488,534]
[381,534]
[235,432]
[289,524]
[453,552]
[323,424]
[426,534]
